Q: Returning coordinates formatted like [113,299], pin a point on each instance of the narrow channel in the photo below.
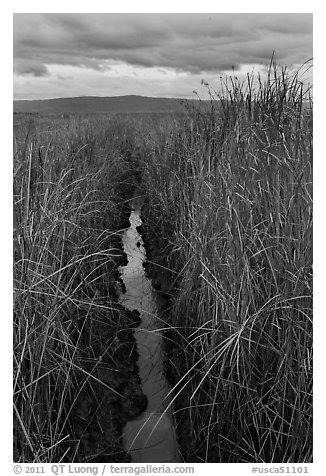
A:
[151,437]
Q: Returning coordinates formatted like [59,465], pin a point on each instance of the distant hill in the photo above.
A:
[93,104]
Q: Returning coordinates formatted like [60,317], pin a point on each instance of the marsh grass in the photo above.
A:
[71,178]
[228,224]
[231,205]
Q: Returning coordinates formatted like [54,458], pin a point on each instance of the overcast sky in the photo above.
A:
[165,55]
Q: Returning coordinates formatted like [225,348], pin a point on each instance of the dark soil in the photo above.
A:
[108,393]
[166,286]
[112,395]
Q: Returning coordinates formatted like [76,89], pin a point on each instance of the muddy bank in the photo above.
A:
[108,391]
[111,395]
[165,283]
[151,436]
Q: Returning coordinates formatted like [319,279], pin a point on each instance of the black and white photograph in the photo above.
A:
[162,240]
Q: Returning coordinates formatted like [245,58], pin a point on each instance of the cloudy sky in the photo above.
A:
[164,55]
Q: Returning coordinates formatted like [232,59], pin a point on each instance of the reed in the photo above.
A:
[231,206]
[228,231]
[71,176]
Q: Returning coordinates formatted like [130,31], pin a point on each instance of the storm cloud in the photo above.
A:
[187,42]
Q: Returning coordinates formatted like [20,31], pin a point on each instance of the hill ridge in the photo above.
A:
[82,104]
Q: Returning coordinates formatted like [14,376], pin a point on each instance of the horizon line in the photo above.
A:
[103,97]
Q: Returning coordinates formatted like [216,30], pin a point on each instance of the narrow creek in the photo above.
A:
[151,437]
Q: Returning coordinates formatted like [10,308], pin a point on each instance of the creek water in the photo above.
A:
[151,437]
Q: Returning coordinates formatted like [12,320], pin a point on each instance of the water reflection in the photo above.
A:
[151,437]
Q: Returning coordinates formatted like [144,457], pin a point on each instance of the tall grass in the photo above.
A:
[71,178]
[229,219]
[230,207]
